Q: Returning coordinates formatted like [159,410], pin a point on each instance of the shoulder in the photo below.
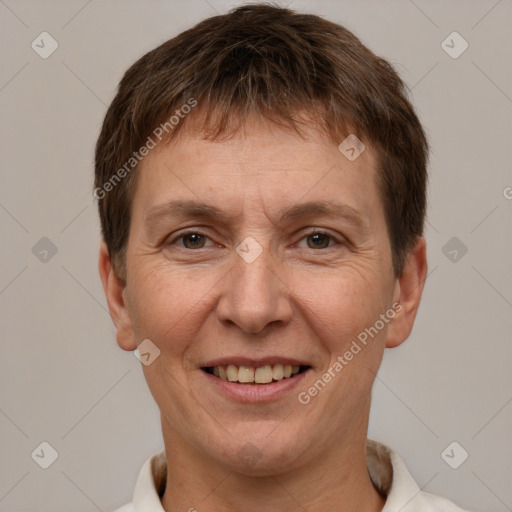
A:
[391,477]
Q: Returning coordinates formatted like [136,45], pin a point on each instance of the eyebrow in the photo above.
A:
[203,211]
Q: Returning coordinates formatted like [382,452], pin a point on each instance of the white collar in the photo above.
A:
[385,467]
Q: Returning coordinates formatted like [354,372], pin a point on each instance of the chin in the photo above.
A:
[264,457]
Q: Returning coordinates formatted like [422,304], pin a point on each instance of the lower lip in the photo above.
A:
[251,393]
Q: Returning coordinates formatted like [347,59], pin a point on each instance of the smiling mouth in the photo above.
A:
[261,375]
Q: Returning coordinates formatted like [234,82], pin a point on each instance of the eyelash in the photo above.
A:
[311,233]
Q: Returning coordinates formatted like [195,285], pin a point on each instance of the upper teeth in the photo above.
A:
[260,375]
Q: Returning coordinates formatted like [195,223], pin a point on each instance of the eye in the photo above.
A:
[318,239]
[197,240]
[191,240]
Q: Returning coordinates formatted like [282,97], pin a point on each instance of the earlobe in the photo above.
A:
[114,293]
[409,290]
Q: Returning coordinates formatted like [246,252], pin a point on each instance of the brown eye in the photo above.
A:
[318,240]
[190,240]
[193,240]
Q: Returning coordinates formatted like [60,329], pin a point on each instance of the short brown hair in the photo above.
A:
[274,62]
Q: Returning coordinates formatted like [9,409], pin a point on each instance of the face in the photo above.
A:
[246,257]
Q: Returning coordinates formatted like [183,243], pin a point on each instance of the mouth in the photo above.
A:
[250,374]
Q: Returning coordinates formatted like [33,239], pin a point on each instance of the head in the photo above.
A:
[261,184]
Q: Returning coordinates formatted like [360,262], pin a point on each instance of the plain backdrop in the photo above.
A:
[64,380]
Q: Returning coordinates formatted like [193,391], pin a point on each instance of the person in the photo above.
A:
[261,185]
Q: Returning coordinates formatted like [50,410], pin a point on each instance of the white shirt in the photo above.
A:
[385,467]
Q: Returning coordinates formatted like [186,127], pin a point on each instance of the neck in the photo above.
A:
[335,479]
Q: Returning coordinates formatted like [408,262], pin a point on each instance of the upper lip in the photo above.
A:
[254,363]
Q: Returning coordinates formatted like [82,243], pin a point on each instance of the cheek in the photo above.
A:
[343,303]
[165,305]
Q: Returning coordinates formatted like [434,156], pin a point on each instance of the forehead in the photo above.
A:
[261,162]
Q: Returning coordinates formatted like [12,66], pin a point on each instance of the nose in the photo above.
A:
[255,295]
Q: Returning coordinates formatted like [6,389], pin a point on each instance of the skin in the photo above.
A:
[295,300]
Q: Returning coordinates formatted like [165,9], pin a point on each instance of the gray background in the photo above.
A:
[64,380]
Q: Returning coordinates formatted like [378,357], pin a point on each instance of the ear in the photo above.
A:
[408,292]
[114,293]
